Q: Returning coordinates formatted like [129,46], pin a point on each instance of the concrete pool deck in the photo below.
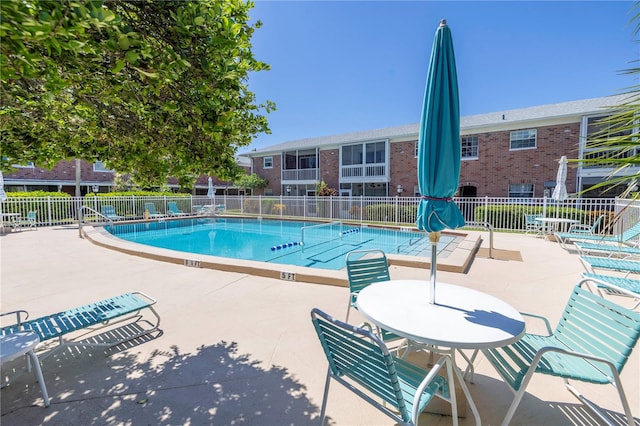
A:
[240,349]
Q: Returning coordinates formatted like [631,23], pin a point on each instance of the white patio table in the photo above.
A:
[23,343]
[461,318]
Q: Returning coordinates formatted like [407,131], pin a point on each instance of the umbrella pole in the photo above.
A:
[434,239]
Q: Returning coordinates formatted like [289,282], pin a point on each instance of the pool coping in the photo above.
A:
[457,260]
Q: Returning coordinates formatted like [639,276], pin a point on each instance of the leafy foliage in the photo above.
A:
[615,144]
[152,88]
[323,190]
[252,181]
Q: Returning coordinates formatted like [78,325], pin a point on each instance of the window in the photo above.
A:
[267,162]
[351,155]
[597,131]
[300,160]
[520,190]
[523,139]
[469,148]
[268,191]
[98,166]
[28,165]
[375,152]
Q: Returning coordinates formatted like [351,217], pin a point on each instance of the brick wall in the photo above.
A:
[273,175]
[403,167]
[497,166]
[330,167]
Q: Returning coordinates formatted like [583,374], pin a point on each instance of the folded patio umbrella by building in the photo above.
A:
[439,147]
[560,191]
[210,191]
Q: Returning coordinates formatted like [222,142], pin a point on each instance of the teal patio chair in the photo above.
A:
[591,343]
[366,267]
[361,362]
[109,212]
[28,222]
[531,225]
[153,213]
[174,210]
[582,228]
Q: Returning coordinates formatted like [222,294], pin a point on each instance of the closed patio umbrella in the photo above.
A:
[210,191]
[439,147]
[560,191]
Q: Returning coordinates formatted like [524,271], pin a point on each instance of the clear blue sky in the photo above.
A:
[342,66]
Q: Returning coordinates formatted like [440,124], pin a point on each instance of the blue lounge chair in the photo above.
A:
[604,249]
[591,263]
[616,285]
[174,210]
[151,208]
[591,343]
[565,237]
[90,318]
[360,361]
[110,213]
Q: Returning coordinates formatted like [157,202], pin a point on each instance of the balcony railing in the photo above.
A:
[359,171]
[291,176]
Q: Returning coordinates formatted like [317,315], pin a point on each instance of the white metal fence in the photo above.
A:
[503,214]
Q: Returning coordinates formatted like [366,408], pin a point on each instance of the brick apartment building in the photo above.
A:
[510,153]
[94,177]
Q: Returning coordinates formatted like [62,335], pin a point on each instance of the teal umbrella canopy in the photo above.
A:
[439,148]
[439,139]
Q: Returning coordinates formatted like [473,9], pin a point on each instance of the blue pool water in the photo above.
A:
[285,242]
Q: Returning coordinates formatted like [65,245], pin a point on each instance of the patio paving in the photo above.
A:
[240,349]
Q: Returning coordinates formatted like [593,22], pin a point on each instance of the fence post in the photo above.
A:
[49,218]
[486,209]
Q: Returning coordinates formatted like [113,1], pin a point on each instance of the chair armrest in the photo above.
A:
[444,360]
[18,315]
[556,349]
[544,320]
[579,228]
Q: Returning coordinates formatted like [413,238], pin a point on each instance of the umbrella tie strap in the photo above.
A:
[447,199]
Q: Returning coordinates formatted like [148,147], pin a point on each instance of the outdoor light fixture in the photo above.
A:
[95,188]
[288,189]
[399,189]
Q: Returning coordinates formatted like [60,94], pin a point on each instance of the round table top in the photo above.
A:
[461,317]
[556,220]
[16,344]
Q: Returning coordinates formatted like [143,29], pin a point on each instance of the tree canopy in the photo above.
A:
[151,88]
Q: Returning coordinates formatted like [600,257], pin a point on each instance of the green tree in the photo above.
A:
[251,182]
[615,144]
[152,88]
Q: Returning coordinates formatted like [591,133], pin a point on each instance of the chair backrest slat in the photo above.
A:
[362,357]
[594,325]
[372,267]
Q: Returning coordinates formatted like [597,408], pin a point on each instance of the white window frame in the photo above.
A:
[99,167]
[474,147]
[267,162]
[29,165]
[523,136]
[521,188]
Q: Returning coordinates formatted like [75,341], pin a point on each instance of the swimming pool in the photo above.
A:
[309,244]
